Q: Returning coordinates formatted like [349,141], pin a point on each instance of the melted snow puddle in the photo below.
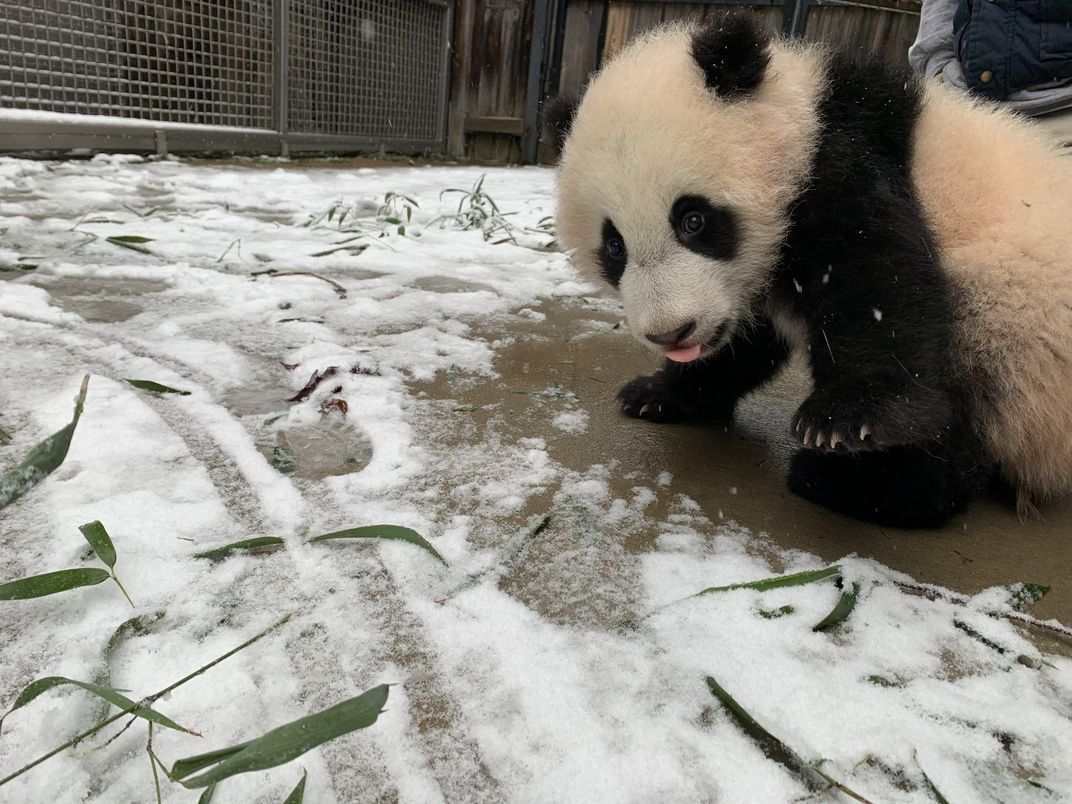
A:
[316,451]
[99,300]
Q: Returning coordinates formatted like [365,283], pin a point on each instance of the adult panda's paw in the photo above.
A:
[651,398]
[842,425]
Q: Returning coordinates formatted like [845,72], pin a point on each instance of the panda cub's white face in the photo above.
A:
[679,197]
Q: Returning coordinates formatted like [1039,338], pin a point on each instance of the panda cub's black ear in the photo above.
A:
[558,114]
[733,51]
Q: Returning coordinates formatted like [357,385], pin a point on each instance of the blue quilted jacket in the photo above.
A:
[1006,45]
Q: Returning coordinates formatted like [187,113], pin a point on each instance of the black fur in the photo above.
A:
[733,51]
[613,265]
[558,114]
[884,428]
[718,237]
[903,487]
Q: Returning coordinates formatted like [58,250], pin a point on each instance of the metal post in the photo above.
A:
[530,137]
[280,69]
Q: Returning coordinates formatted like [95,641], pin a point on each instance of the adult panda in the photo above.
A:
[749,196]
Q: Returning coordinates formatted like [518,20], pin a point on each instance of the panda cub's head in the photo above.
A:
[676,173]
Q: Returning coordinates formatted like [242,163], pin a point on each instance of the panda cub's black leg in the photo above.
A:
[707,389]
[904,487]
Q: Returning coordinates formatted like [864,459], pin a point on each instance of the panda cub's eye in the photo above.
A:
[612,254]
[693,223]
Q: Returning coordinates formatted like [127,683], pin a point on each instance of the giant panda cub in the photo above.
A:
[749,197]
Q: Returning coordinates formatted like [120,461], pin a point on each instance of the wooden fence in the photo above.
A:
[509,55]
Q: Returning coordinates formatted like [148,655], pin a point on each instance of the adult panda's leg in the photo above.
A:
[707,389]
[904,487]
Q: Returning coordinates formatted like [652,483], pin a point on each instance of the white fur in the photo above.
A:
[999,196]
[648,132]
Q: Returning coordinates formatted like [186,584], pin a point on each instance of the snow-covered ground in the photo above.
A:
[568,681]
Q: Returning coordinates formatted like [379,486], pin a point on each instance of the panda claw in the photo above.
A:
[865,432]
[820,439]
[644,409]
[835,440]
[807,437]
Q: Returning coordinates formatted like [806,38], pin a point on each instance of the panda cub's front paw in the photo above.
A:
[652,399]
[841,425]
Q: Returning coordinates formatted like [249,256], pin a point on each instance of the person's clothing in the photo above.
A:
[1006,45]
[1015,41]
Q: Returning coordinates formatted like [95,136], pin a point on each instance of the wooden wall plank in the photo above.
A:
[619,26]
[580,45]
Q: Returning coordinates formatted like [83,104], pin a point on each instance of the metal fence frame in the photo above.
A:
[21,132]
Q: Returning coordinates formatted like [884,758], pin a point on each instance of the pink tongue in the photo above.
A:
[684,355]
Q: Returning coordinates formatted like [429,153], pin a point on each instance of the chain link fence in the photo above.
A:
[224,74]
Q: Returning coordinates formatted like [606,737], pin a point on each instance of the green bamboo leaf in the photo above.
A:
[774,614]
[1023,595]
[206,797]
[931,787]
[5,437]
[184,767]
[44,458]
[100,541]
[130,239]
[155,387]
[774,748]
[846,603]
[284,743]
[297,796]
[52,582]
[778,581]
[246,544]
[133,245]
[42,685]
[393,532]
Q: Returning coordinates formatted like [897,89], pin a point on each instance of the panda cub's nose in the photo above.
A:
[673,338]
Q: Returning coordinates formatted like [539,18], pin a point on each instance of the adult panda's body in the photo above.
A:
[749,196]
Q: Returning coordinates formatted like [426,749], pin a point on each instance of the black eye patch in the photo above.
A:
[704,228]
[612,254]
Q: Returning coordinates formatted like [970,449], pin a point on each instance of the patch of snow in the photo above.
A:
[571,421]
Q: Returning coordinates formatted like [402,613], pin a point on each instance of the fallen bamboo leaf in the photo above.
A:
[777,582]
[814,778]
[44,458]
[51,583]
[509,554]
[100,541]
[132,242]
[391,532]
[842,609]
[5,437]
[284,743]
[314,383]
[155,387]
[1024,595]
[336,404]
[774,614]
[297,796]
[42,685]
[206,797]
[340,291]
[931,787]
[129,709]
[937,593]
[258,544]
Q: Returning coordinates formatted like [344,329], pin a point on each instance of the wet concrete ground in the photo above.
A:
[739,471]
